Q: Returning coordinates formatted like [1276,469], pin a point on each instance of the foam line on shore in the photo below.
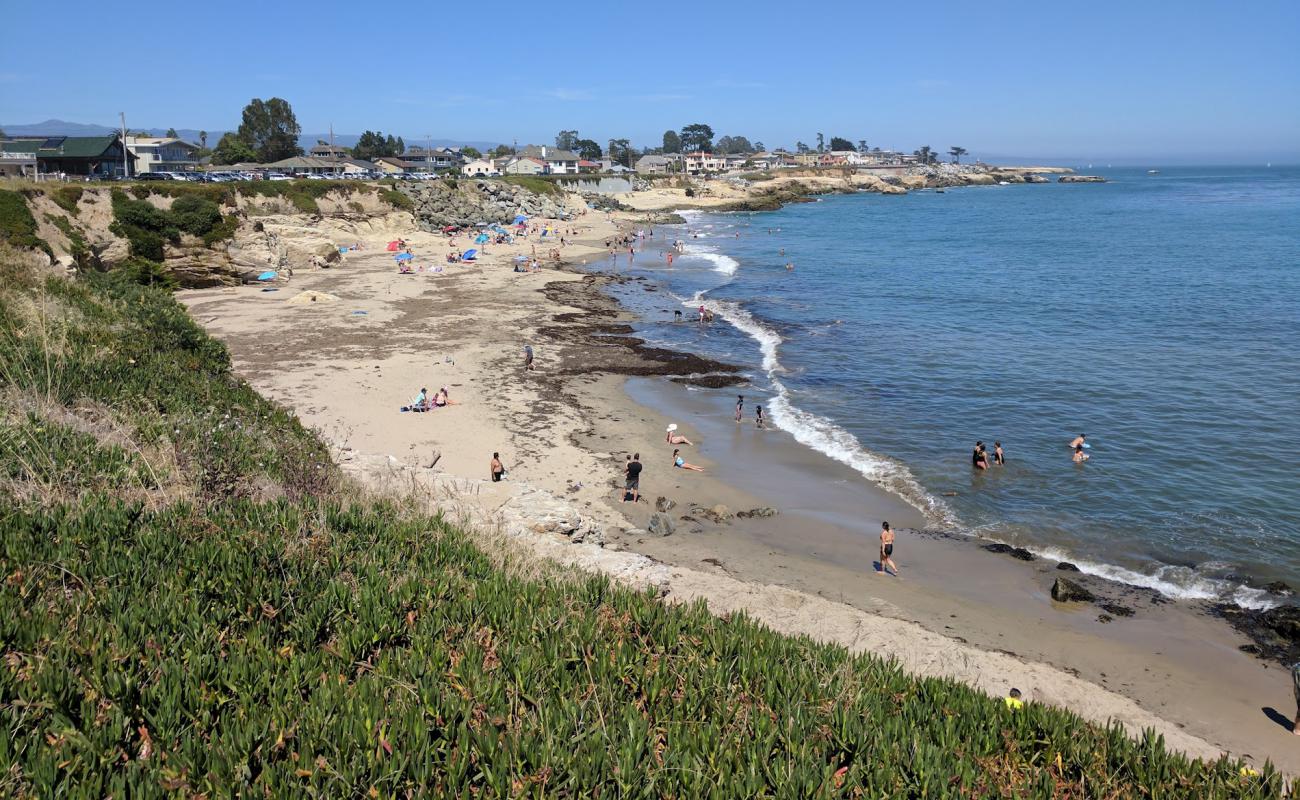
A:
[831,440]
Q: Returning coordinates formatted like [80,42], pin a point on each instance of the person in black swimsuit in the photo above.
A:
[999,457]
[978,458]
[887,550]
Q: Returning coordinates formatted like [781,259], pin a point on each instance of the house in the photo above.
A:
[419,159]
[558,162]
[526,166]
[696,163]
[355,166]
[90,156]
[303,165]
[589,166]
[163,154]
[656,165]
[392,165]
[480,167]
[329,151]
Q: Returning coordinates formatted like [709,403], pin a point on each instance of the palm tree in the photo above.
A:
[203,139]
[956,153]
[821,143]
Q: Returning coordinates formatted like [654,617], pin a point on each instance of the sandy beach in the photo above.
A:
[346,366]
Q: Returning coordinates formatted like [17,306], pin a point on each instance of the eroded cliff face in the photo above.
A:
[293,231]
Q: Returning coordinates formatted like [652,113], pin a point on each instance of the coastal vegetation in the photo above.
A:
[17,225]
[196,602]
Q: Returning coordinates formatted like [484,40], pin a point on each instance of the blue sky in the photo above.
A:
[1148,81]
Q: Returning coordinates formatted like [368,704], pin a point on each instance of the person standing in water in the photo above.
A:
[1079,456]
[758,417]
[999,457]
[1077,441]
[978,458]
[887,550]
[740,406]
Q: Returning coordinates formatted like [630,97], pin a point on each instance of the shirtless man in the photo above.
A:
[1077,441]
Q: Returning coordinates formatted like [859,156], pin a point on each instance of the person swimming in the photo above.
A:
[1079,456]
[1078,441]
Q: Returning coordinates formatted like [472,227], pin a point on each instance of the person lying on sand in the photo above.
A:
[680,463]
[676,438]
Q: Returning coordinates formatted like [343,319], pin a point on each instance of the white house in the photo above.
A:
[480,166]
[558,162]
[162,154]
[704,162]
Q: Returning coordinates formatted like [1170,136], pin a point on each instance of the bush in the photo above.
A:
[195,215]
[76,241]
[17,225]
[67,197]
[534,184]
[397,200]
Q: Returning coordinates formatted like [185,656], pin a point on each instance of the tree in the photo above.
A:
[759,148]
[373,144]
[821,143]
[840,143]
[232,150]
[800,147]
[270,128]
[203,140]
[566,140]
[501,151]
[862,145]
[172,134]
[672,142]
[733,144]
[956,153]
[588,149]
[471,152]
[401,146]
[697,138]
[620,152]
[925,155]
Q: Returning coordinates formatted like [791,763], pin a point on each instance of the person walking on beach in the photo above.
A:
[1295,679]
[758,417]
[740,406]
[633,483]
[999,457]
[887,550]
[496,468]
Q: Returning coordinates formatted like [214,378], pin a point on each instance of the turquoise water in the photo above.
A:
[1158,314]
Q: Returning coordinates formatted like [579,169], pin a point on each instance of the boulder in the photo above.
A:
[1080,179]
[764,511]
[1065,590]
[664,504]
[661,525]
[718,513]
[1066,566]
[1006,549]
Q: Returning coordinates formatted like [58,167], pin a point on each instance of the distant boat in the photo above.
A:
[1153,172]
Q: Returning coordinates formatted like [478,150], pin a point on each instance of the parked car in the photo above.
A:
[153,176]
[276,176]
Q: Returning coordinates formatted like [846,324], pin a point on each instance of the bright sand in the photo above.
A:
[958,611]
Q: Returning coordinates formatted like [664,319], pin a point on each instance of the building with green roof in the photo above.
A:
[89,156]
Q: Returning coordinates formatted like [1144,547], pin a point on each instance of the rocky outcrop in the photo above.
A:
[1065,590]
[661,525]
[1080,179]
[468,202]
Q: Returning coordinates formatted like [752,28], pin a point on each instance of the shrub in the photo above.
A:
[195,215]
[17,225]
[76,241]
[67,197]
[534,184]
[397,200]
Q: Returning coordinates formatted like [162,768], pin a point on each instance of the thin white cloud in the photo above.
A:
[569,95]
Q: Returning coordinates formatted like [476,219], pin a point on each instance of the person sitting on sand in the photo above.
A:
[1079,456]
[676,438]
[887,550]
[1013,700]
[440,399]
[421,401]
[680,462]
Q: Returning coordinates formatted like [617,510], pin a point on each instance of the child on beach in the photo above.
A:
[1013,700]
[740,404]
[887,550]
[758,417]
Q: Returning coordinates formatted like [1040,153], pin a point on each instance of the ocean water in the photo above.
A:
[1160,315]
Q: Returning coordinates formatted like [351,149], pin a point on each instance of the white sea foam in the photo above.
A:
[826,437]
[721,262]
[820,433]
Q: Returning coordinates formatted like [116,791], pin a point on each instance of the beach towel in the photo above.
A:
[392,247]
[269,275]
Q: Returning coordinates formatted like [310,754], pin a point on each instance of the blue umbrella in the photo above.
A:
[269,275]
[481,238]
[469,255]
[403,256]
[520,218]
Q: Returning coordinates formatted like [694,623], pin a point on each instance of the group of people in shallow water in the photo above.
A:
[979,458]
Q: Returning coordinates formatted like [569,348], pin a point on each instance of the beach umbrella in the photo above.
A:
[403,257]
[269,275]
[520,258]
[469,254]
[481,238]
[520,219]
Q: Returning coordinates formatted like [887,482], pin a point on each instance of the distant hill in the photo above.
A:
[58,127]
